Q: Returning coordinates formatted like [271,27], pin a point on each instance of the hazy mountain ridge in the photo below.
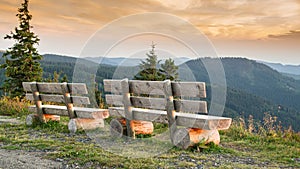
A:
[283,68]
[122,61]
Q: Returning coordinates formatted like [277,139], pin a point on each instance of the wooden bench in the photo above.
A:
[174,103]
[67,99]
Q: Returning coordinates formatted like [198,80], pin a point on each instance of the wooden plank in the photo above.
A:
[127,107]
[150,115]
[91,113]
[26,86]
[206,122]
[29,96]
[146,87]
[37,101]
[170,108]
[67,99]
[75,88]
[148,102]
[55,110]
[189,89]
[112,86]
[190,106]
[59,98]
[80,100]
[115,100]
[141,114]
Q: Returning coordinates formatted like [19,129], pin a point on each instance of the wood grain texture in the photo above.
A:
[146,87]
[75,88]
[114,100]
[148,102]
[68,101]
[127,107]
[37,101]
[206,122]
[190,106]
[112,86]
[189,89]
[59,98]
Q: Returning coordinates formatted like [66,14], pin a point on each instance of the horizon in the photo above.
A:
[122,57]
[267,31]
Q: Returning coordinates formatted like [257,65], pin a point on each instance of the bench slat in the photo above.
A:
[206,122]
[202,121]
[148,102]
[81,112]
[146,87]
[59,98]
[76,88]
[159,103]
[115,100]
[91,113]
[190,106]
[112,86]
[189,89]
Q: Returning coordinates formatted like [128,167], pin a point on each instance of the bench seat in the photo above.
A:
[206,122]
[81,112]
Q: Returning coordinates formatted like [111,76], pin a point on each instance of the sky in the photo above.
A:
[266,30]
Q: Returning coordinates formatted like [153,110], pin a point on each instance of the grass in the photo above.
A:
[242,146]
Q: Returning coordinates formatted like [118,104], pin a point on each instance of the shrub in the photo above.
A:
[13,106]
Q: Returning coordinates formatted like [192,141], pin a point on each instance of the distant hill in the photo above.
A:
[256,78]
[121,61]
[287,69]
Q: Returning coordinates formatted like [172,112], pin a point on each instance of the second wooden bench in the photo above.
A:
[174,103]
[67,99]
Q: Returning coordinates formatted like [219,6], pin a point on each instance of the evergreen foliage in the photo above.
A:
[151,71]
[21,60]
[169,69]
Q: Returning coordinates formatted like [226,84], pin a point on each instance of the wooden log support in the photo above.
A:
[68,100]
[127,107]
[170,108]
[118,127]
[37,101]
[187,137]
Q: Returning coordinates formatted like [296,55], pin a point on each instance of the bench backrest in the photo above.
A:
[155,95]
[56,92]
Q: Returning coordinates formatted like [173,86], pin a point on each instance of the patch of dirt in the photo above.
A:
[19,159]
[8,119]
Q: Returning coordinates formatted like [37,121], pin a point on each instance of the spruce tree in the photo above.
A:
[149,70]
[21,60]
[169,69]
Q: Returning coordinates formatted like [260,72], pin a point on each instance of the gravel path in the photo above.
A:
[7,119]
[18,159]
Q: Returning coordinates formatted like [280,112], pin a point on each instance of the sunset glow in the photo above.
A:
[264,30]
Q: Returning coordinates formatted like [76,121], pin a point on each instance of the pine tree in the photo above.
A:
[149,70]
[169,69]
[21,60]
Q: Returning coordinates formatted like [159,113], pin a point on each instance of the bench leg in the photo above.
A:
[118,127]
[31,118]
[184,138]
[85,124]
[72,126]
